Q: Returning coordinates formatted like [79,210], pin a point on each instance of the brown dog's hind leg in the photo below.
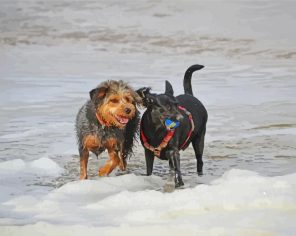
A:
[84,154]
[122,161]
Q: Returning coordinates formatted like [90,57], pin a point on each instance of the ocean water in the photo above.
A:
[52,53]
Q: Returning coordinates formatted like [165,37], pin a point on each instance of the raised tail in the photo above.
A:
[187,78]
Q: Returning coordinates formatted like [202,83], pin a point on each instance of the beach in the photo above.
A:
[52,53]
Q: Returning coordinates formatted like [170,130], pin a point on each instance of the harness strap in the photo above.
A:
[162,145]
[192,126]
[168,137]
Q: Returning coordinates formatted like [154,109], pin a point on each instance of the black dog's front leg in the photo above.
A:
[149,156]
[174,161]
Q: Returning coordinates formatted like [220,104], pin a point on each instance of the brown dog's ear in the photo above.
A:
[93,93]
[99,92]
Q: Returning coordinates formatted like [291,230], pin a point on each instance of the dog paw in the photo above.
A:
[102,172]
[83,176]
[169,187]
[122,165]
[178,182]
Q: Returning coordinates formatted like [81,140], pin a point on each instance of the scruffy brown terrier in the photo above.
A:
[108,121]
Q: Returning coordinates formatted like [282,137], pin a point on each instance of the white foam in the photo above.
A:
[238,202]
[24,134]
[45,229]
[43,166]
[13,165]
[32,131]
[46,166]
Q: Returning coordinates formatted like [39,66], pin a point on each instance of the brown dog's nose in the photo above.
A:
[127,110]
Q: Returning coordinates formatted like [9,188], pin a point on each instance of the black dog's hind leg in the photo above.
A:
[198,146]
[174,161]
[149,156]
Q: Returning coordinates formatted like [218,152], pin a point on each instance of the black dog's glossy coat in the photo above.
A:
[165,106]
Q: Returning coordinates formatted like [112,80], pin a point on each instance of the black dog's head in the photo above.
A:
[161,106]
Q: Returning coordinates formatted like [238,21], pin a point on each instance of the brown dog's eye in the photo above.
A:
[127,99]
[114,100]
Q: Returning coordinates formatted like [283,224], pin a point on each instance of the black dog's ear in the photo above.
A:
[147,97]
[169,88]
[143,92]
[99,92]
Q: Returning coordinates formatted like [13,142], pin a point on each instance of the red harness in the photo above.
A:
[168,137]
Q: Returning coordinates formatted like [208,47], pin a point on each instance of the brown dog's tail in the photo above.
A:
[187,78]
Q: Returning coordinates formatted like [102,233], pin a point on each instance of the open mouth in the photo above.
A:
[121,119]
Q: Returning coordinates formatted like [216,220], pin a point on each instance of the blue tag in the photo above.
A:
[171,124]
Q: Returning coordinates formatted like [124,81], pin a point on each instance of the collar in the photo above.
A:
[101,121]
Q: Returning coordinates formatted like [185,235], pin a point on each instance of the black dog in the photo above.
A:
[171,123]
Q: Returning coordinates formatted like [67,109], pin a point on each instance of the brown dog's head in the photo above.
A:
[115,103]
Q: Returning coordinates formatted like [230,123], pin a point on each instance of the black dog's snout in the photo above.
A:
[127,110]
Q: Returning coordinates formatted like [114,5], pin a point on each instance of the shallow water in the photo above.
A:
[251,117]
[53,53]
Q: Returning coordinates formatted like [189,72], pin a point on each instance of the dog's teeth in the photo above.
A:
[125,120]
[122,120]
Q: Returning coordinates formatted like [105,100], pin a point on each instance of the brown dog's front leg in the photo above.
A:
[110,164]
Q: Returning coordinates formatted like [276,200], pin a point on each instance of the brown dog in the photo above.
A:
[108,121]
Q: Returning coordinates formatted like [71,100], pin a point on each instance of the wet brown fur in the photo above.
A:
[99,125]
[115,104]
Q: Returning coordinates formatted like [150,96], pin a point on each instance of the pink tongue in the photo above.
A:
[123,120]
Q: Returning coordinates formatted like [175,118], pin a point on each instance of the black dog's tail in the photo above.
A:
[187,78]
